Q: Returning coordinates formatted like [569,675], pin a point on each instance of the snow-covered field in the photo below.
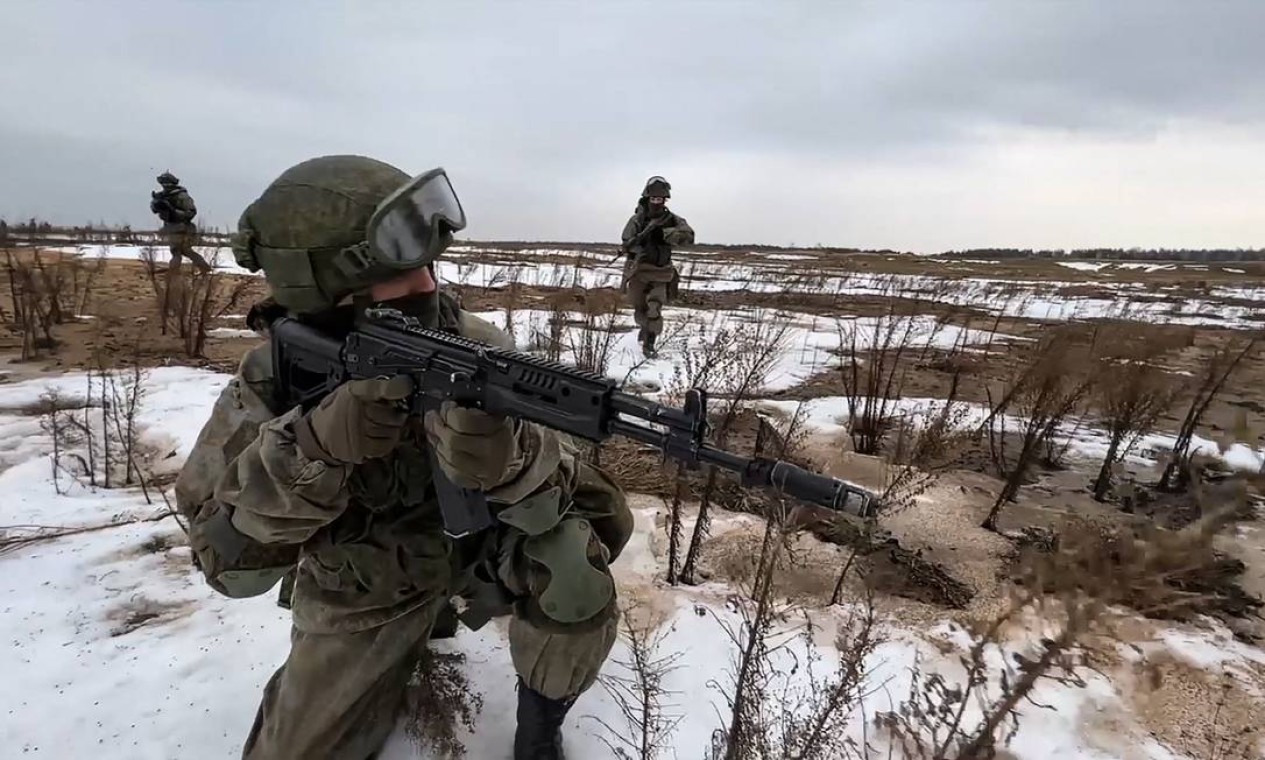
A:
[770,273]
[810,343]
[117,649]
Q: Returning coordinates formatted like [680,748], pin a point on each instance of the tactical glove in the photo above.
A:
[475,449]
[361,420]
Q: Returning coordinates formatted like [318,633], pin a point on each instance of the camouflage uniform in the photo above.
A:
[650,279]
[375,569]
[175,207]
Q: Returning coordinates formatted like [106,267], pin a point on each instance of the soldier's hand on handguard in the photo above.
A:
[476,449]
[362,419]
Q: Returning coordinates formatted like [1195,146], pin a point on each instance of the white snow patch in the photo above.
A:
[220,256]
[231,332]
[1084,266]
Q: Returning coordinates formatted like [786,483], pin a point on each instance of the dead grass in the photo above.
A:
[439,702]
[1197,712]
[141,611]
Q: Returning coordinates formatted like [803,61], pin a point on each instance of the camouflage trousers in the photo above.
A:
[180,244]
[338,695]
[648,289]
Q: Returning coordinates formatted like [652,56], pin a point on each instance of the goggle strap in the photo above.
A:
[354,260]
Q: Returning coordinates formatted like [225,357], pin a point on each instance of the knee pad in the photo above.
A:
[556,565]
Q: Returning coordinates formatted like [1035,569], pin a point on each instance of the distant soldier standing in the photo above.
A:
[175,207]
[650,280]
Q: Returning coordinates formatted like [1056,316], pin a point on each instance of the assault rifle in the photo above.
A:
[310,363]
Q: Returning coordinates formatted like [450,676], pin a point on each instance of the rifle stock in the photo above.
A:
[445,367]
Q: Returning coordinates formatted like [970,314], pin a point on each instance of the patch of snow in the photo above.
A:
[1141,265]
[220,256]
[789,257]
[231,332]
[1084,266]
[811,343]
[1234,271]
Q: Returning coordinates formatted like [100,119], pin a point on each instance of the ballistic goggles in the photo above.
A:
[657,187]
[408,228]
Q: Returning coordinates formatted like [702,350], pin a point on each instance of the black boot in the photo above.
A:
[445,626]
[647,344]
[539,734]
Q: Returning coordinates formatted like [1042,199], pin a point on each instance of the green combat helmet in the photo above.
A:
[657,187]
[332,226]
[168,179]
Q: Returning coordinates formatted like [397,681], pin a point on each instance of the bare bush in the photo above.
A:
[1220,366]
[439,702]
[813,721]
[650,718]
[35,292]
[755,348]
[1040,394]
[747,731]
[696,370]
[96,438]
[191,299]
[1066,598]
[1130,396]
[56,421]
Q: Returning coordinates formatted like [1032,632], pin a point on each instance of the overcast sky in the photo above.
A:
[917,126]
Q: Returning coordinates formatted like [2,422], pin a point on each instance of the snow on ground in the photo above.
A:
[829,415]
[119,650]
[220,256]
[1142,265]
[789,257]
[773,273]
[811,343]
[1084,266]
[231,332]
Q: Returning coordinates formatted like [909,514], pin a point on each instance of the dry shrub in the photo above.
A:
[191,299]
[1064,601]
[813,721]
[740,375]
[1040,395]
[1185,574]
[650,718]
[1131,391]
[1220,365]
[46,289]
[439,702]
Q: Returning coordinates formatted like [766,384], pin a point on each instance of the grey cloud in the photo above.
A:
[537,107]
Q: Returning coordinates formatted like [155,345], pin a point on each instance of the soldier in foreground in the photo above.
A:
[176,209]
[650,279]
[346,490]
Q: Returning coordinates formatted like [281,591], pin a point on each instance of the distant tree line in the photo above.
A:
[43,233]
[1112,254]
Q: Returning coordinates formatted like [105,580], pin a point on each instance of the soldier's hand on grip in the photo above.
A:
[476,449]
[361,420]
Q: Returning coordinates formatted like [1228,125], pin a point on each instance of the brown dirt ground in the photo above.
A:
[120,321]
[1197,712]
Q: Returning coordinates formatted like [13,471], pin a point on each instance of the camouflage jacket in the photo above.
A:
[368,537]
[654,247]
[175,207]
